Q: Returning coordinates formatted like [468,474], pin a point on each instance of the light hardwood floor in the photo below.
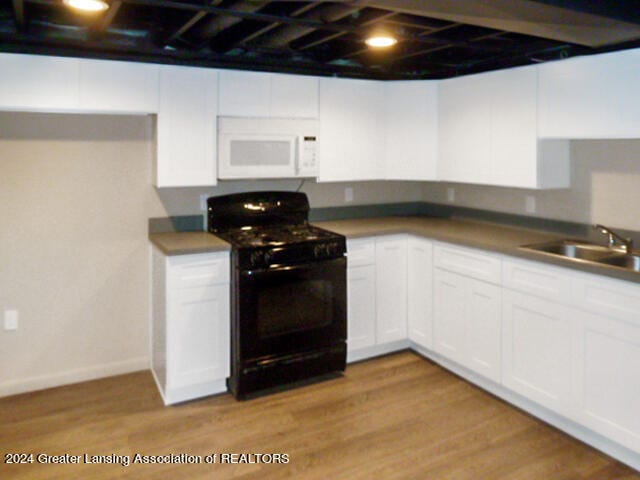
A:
[396,417]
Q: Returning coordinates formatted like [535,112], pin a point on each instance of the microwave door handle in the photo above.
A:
[296,164]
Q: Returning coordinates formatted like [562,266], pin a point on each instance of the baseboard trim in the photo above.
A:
[376,351]
[41,382]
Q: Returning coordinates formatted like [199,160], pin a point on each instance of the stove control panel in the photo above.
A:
[327,250]
[292,254]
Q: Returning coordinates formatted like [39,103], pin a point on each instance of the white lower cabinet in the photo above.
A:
[538,350]
[420,291]
[609,373]
[467,317]
[608,359]
[376,295]
[190,324]
[449,314]
[361,331]
[467,322]
[391,289]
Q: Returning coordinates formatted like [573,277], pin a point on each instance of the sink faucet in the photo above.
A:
[613,237]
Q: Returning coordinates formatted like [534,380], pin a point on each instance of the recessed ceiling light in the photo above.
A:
[380,41]
[87,5]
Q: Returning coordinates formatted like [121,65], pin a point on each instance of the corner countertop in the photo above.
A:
[469,233]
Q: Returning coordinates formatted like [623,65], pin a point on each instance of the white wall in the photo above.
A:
[75,197]
[605,188]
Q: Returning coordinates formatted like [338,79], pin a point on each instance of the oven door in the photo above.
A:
[290,309]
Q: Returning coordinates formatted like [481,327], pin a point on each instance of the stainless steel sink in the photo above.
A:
[630,262]
[573,249]
[588,252]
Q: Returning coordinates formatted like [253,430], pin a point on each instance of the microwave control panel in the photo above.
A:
[308,155]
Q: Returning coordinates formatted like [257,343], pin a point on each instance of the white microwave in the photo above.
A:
[267,147]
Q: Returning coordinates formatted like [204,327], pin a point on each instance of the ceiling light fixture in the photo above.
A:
[381,41]
[92,6]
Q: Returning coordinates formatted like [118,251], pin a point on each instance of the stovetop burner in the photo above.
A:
[274,236]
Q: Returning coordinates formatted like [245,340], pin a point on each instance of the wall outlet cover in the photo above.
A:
[530,204]
[348,194]
[11,319]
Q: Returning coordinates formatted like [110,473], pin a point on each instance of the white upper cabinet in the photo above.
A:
[186,128]
[294,96]
[38,83]
[256,94]
[411,114]
[488,135]
[352,130]
[464,110]
[43,83]
[590,97]
[118,86]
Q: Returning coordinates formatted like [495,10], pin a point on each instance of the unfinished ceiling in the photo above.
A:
[436,39]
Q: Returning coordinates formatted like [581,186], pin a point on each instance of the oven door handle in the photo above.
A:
[292,268]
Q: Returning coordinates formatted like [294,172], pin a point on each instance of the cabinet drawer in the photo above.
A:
[471,263]
[199,270]
[361,252]
[611,298]
[535,279]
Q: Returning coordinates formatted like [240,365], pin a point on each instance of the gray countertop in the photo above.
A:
[184,243]
[470,233]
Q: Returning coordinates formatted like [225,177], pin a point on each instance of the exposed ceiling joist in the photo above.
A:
[522,16]
[18,10]
[436,39]
[107,19]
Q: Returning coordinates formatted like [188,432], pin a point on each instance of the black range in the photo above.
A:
[288,291]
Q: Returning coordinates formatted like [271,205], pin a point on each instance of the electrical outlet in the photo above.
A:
[348,194]
[11,319]
[451,194]
[530,204]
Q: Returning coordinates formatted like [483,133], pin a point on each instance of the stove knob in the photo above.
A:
[266,259]
[317,251]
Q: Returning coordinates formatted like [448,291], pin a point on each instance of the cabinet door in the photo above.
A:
[198,320]
[361,301]
[186,127]
[33,82]
[118,86]
[411,115]
[608,370]
[294,96]
[590,97]
[255,94]
[351,130]
[464,116]
[244,94]
[483,330]
[513,127]
[449,315]
[199,336]
[538,349]
[391,289]
[420,291]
